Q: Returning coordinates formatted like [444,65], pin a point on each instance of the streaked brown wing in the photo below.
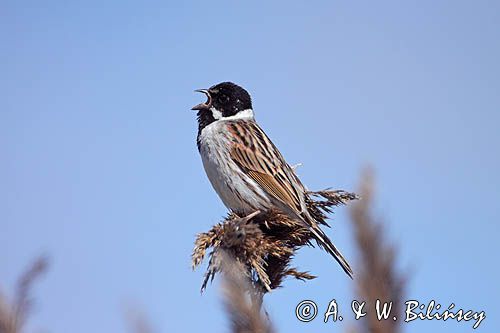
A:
[257,156]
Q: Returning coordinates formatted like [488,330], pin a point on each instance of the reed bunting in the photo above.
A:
[245,168]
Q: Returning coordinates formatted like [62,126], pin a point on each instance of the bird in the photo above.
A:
[246,169]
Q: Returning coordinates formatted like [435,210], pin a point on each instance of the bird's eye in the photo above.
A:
[223,98]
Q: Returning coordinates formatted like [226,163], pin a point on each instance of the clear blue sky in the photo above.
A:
[100,169]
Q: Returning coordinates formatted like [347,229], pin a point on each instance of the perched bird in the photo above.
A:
[245,168]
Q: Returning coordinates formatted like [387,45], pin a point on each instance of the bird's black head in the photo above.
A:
[224,100]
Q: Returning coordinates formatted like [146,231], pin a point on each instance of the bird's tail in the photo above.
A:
[325,243]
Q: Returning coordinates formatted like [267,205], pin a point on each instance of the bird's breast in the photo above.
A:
[237,191]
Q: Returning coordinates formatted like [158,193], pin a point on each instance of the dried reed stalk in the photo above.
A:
[377,276]
[245,313]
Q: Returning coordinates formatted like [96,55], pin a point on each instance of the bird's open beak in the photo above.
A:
[207,104]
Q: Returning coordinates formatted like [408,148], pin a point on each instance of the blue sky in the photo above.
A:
[100,169]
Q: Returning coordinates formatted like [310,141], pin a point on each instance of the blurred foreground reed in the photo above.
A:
[13,314]
[378,277]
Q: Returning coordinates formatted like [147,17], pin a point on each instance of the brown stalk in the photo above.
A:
[245,313]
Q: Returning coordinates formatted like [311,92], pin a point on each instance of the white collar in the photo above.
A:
[245,114]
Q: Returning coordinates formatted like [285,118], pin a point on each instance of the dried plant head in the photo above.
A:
[264,242]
